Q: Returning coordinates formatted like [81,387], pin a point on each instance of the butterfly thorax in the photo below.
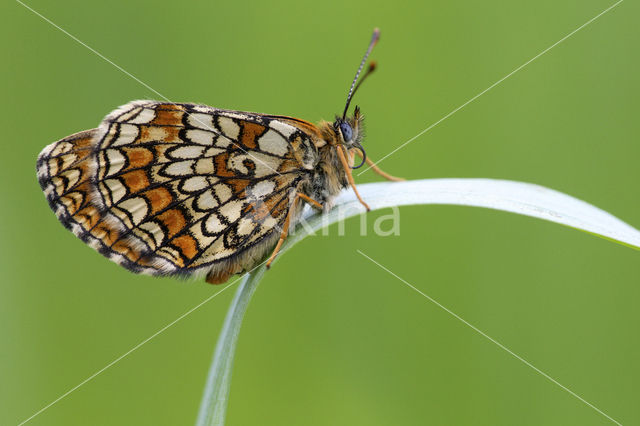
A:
[329,176]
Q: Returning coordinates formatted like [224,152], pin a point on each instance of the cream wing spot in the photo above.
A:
[115,161]
[232,210]
[116,190]
[223,192]
[245,226]
[136,207]
[53,167]
[202,121]
[187,152]
[269,223]
[229,127]
[127,135]
[273,143]
[213,225]
[195,183]
[145,116]
[286,129]
[262,188]
[180,168]
[206,201]
[200,136]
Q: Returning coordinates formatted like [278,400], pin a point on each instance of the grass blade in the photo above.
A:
[213,407]
[516,197]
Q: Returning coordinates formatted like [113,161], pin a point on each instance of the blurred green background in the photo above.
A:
[331,339]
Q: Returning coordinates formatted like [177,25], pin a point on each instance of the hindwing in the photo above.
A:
[166,188]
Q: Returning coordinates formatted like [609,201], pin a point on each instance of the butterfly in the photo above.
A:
[182,189]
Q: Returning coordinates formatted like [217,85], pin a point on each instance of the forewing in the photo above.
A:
[184,186]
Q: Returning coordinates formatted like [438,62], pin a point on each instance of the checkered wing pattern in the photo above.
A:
[171,189]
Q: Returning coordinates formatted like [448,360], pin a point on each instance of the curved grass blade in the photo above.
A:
[516,197]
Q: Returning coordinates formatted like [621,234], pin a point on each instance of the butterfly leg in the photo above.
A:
[343,159]
[287,222]
[379,171]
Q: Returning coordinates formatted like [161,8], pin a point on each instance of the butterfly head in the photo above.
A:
[349,132]
[349,129]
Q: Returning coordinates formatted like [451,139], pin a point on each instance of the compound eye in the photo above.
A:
[347,133]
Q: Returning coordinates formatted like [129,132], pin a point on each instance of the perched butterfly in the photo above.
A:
[181,189]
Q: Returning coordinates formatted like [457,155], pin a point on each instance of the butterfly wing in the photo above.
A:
[170,189]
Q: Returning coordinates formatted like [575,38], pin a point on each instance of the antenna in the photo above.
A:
[374,39]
